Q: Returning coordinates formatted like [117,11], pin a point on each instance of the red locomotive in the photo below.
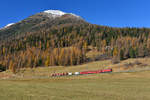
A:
[97,71]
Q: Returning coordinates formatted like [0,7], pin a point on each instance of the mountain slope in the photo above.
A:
[40,21]
[56,38]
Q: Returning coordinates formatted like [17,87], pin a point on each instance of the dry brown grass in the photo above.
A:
[131,64]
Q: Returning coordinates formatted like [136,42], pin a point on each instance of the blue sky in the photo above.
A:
[116,13]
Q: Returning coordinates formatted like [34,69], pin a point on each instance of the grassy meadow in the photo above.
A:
[114,86]
[107,86]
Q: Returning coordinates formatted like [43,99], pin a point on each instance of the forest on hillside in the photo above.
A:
[66,45]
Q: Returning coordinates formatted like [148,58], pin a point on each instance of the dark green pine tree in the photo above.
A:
[132,53]
[122,54]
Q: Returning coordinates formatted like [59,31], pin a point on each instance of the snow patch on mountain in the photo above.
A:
[9,25]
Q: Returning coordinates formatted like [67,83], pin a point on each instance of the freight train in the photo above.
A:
[82,73]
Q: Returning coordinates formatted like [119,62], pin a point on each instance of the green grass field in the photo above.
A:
[113,86]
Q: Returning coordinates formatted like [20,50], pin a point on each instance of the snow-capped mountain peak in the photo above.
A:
[58,13]
[55,12]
